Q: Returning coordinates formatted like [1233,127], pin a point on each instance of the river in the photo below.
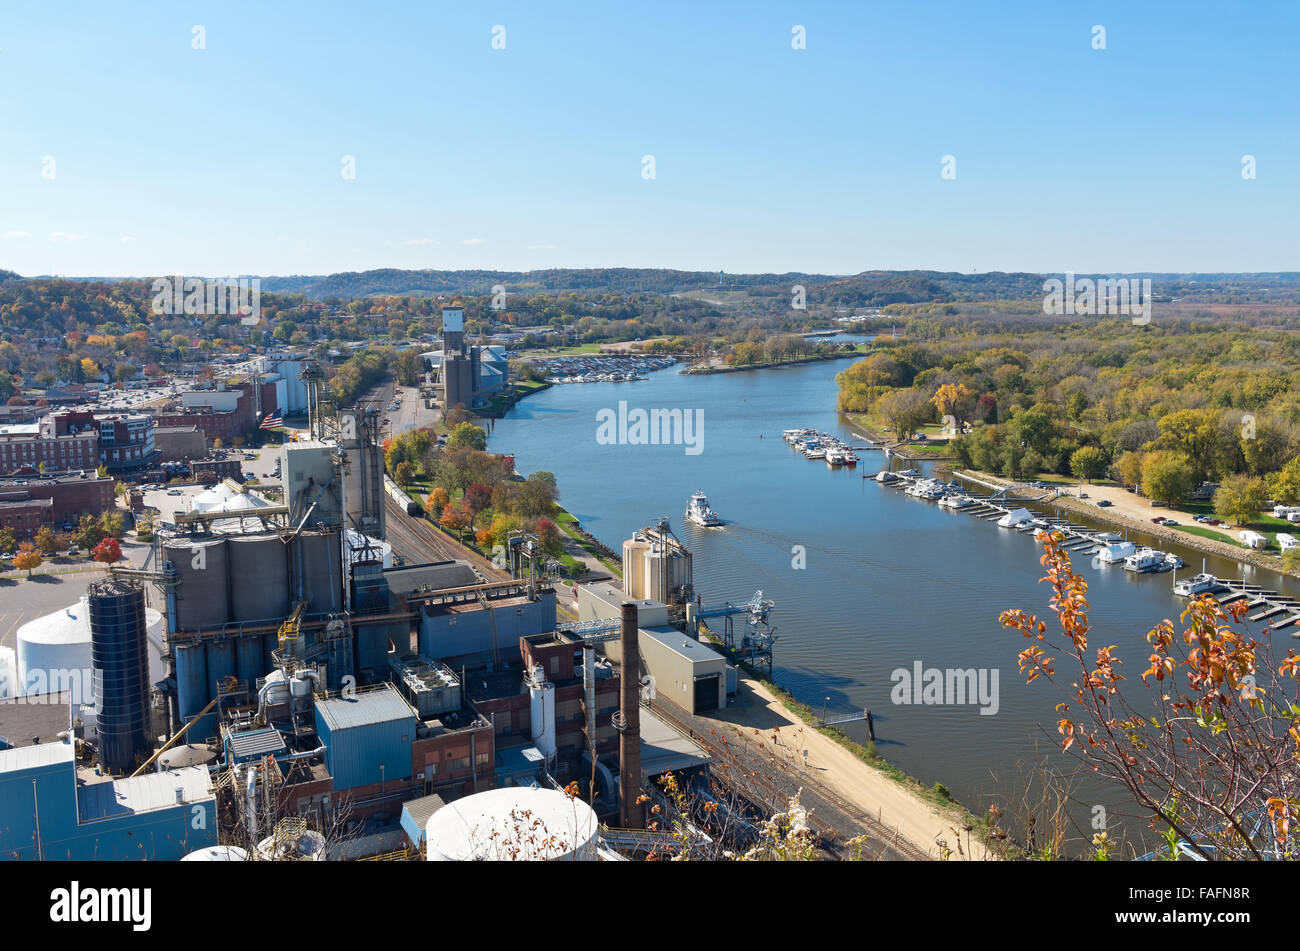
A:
[887,581]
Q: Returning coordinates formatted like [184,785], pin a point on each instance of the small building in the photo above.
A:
[367,736]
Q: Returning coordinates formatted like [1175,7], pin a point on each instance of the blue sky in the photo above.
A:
[228,159]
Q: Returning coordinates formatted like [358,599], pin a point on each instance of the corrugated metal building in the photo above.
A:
[160,816]
[367,737]
[467,632]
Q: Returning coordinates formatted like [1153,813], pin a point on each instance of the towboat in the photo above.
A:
[699,512]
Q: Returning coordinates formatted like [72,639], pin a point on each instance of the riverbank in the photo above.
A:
[909,452]
[1118,518]
[706,369]
[927,818]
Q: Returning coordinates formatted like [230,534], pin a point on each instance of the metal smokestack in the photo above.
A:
[631,815]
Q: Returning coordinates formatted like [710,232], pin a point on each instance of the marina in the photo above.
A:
[602,369]
[1105,548]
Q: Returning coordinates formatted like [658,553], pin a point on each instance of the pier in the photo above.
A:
[1262,604]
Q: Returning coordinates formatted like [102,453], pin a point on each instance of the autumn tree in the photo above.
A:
[438,500]
[1209,753]
[904,410]
[457,518]
[1129,468]
[107,551]
[46,541]
[1284,485]
[28,558]
[955,400]
[405,473]
[467,436]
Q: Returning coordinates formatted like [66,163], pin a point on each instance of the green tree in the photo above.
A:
[904,410]
[467,436]
[89,532]
[1088,463]
[1240,498]
[1129,467]
[1168,476]
[1284,485]
[405,473]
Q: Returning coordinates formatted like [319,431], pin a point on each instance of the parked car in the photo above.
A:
[1159,520]
[1103,503]
[1170,521]
[1083,495]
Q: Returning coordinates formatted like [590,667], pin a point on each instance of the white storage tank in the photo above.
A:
[513,824]
[8,673]
[217,853]
[54,652]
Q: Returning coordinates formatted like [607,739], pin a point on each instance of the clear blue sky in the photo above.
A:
[227,160]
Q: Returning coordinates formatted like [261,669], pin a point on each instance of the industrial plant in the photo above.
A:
[269,684]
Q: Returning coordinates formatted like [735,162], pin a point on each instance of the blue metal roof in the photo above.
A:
[363,709]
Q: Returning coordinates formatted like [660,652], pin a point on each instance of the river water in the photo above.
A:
[887,581]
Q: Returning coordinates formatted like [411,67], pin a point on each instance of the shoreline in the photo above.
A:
[707,370]
[1107,516]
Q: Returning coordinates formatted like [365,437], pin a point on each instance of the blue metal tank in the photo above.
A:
[119,654]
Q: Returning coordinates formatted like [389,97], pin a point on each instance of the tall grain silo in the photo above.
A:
[250,658]
[120,654]
[221,662]
[634,552]
[192,688]
[321,564]
[259,577]
[203,595]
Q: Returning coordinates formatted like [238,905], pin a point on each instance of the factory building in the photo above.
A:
[691,674]
[51,810]
[468,375]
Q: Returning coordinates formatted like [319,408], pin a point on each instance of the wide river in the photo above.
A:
[887,581]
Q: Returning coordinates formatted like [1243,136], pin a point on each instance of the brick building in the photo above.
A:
[69,497]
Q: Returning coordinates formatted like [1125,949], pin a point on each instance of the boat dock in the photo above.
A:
[1262,604]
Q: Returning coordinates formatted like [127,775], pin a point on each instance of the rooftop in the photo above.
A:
[24,722]
[144,793]
[676,641]
[380,705]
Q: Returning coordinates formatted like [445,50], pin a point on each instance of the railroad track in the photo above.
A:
[755,773]
[417,541]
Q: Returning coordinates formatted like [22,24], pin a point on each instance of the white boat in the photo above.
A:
[1016,519]
[1199,584]
[1116,553]
[817,452]
[1173,561]
[884,476]
[699,512]
[927,489]
[955,502]
[850,458]
[1146,560]
[834,456]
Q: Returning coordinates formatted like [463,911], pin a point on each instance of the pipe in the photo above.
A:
[631,812]
[589,692]
[250,793]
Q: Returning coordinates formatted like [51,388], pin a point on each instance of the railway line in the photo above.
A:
[745,763]
[418,541]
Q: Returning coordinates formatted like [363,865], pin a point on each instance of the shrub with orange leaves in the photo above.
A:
[1213,758]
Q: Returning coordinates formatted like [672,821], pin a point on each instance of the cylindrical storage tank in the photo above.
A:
[654,573]
[221,663]
[322,569]
[270,642]
[54,654]
[217,853]
[516,823]
[634,567]
[8,673]
[202,597]
[543,717]
[120,655]
[189,754]
[251,659]
[192,689]
[259,577]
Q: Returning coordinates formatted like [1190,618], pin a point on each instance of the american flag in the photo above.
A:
[273,420]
